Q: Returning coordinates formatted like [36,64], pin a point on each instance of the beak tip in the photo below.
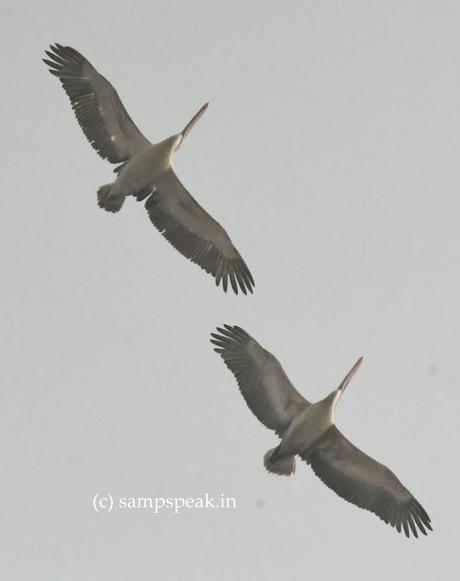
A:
[357,365]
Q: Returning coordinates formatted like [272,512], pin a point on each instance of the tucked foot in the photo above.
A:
[108,200]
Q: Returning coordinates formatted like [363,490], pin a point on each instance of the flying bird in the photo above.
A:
[308,430]
[145,170]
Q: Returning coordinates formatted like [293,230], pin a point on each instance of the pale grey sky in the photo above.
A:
[330,153]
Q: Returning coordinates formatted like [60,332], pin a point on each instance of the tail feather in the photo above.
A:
[283,466]
[108,200]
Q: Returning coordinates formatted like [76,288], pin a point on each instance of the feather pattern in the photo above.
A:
[195,234]
[361,480]
[262,381]
[97,106]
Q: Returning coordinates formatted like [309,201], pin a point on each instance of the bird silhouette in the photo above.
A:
[308,430]
[145,170]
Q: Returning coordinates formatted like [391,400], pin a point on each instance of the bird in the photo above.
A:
[145,170]
[308,430]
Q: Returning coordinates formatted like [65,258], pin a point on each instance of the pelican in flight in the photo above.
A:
[145,170]
[308,430]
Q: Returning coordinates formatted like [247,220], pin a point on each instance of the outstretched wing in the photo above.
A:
[365,482]
[98,108]
[262,381]
[195,234]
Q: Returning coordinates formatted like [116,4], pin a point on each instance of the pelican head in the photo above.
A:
[183,134]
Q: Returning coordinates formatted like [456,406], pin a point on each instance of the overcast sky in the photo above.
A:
[330,154]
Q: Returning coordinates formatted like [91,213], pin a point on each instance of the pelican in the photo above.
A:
[145,170]
[308,430]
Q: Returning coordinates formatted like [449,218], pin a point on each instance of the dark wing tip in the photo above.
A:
[237,273]
[61,48]
[237,330]
[413,519]
[228,338]
[64,58]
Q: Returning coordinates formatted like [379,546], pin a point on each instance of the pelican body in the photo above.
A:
[308,430]
[145,170]
[308,425]
[140,174]
[305,429]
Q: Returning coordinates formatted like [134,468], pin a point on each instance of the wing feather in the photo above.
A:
[363,481]
[195,234]
[97,106]
[262,381]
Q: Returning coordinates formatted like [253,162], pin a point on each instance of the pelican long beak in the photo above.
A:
[349,375]
[183,134]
